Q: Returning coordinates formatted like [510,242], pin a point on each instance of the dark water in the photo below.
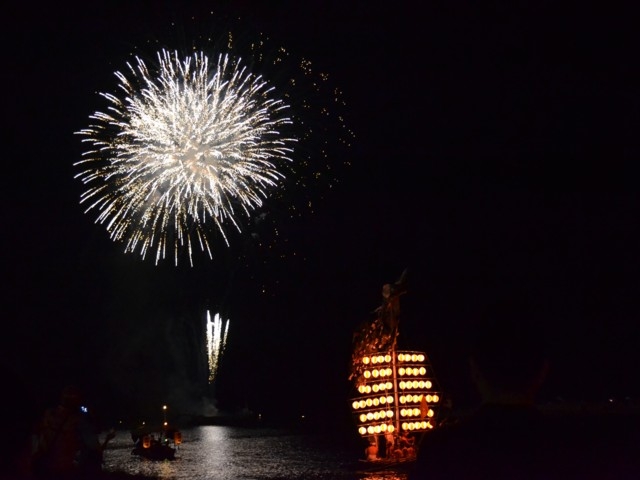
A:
[235,453]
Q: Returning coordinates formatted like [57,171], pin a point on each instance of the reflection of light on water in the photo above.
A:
[386,476]
[217,438]
[232,453]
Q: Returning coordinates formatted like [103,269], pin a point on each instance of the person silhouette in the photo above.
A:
[507,436]
[67,442]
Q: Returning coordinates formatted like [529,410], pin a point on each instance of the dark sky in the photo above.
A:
[495,153]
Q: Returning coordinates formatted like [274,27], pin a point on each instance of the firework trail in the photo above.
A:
[186,145]
[216,342]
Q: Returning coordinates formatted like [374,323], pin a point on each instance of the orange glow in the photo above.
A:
[380,387]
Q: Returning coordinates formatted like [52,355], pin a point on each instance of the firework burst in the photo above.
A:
[186,145]
[217,332]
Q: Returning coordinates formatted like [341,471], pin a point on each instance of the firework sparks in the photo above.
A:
[187,145]
[216,342]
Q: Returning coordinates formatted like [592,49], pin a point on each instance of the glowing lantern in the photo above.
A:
[146,441]
[177,438]
[383,403]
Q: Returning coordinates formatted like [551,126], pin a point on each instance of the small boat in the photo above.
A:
[162,448]
[397,396]
[153,448]
[156,451]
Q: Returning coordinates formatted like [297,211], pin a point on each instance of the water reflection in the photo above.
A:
[231,453]
[385,476]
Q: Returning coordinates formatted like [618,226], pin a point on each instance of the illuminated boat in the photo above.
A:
[396,397]
[156,451]
[162,448]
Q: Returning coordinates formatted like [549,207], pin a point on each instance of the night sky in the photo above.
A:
[495,154]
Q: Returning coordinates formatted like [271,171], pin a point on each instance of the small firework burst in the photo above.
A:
[217,331]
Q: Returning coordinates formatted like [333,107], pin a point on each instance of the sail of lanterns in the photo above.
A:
[397,392]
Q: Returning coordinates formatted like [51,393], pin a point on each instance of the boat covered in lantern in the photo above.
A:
[396,395]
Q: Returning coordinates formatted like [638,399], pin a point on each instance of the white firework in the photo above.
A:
[185,146]
[216,342]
